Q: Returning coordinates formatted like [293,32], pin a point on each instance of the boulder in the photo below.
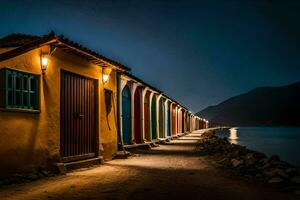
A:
[275,172]
[296,179]
[263,161]
[201,148]
[275,180]
[266,165]
[291,171]
[222,161]
[251,163]
[33,177]
[282,173]
[274,158]
[236,163]
[236,153]
[259,155]
[250,159]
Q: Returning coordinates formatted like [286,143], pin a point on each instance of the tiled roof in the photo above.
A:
[25,43]
[66,41]
[153,88]
[141,81]
[17,39]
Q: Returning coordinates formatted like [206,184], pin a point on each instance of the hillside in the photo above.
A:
[263,106]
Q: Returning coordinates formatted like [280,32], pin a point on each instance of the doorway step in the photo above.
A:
[63,168]
[142,146]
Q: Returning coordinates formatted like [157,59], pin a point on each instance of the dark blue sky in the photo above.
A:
[198,53]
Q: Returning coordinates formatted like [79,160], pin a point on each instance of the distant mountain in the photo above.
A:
[263,106]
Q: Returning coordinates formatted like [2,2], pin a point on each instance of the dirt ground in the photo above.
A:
[172,171]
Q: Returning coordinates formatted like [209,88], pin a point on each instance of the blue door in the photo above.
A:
[126,115]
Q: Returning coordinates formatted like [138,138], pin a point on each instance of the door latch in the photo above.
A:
[79,115]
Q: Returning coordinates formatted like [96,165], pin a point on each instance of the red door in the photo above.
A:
[147,116]
[174,120]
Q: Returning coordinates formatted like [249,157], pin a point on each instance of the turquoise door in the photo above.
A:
[126,115]
[153,119]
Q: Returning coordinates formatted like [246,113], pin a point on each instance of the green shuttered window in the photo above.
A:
[19,90]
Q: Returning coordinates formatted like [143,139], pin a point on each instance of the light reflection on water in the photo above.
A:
[233,138]
[282,141]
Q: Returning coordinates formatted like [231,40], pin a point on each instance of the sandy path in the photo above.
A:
[170,171]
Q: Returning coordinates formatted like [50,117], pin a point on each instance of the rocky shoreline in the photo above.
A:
[250,164]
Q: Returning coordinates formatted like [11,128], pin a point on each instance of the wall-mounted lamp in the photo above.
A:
[105,78]
[44,62]
[105,74]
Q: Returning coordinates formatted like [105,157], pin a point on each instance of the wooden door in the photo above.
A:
[153,118]
[174,120]
[146,116]
[137,116]
[188,123]
[182,122]
[126,115]
[161,118]
[168,123]
[79,116]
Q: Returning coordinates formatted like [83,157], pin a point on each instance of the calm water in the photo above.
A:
[284,142]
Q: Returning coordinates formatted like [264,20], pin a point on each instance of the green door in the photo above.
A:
[153,118]
[161,118]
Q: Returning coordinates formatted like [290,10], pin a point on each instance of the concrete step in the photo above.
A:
[163,141]
[143,146]
[154,144]
[122,155]
[63,168]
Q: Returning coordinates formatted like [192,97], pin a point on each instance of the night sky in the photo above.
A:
[198,53]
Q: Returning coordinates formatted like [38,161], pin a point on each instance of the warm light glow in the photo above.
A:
[105,74]
[44,62]
[105,78]
[233,138]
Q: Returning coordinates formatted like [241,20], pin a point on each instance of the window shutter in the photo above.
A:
[2,88]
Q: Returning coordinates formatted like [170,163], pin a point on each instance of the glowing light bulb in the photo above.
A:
[105,78]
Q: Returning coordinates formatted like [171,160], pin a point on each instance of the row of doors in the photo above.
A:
[150,128]
[126,116]
[79,116]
